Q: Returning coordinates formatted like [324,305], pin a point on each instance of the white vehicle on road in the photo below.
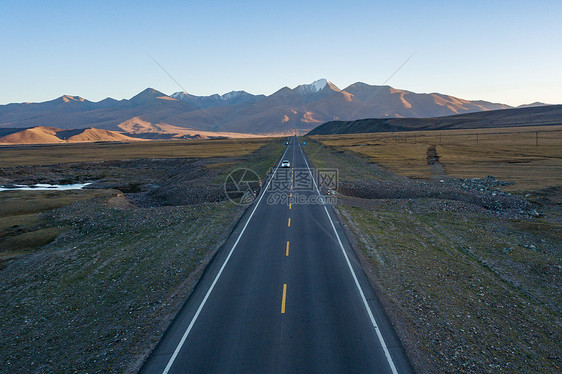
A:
[285,164]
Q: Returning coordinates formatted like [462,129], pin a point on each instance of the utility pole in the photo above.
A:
[537,139]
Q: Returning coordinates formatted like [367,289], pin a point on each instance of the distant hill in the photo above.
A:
[138,130]
[536,103]
[303,107]
[527,116]
[48,135]
[36,135]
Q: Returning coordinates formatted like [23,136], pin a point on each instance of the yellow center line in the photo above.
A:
[287,252]
[289,205]
[284,298]
[289,224]
[291,195]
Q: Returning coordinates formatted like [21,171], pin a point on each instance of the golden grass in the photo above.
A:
[527,167]
[509,154]
[26,155]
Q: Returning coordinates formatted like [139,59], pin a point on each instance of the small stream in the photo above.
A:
[43,187]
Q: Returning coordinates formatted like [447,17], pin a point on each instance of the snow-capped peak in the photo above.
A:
[179,95]
[313,87]
[232,95]
[319,84]
[227,96]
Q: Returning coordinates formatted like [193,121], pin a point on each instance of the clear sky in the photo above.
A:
[501,51]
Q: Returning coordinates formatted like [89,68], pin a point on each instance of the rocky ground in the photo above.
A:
[476,192]
[468,273]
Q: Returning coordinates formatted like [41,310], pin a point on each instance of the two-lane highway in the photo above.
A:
[285,294]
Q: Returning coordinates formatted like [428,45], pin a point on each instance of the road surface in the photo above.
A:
[286,294]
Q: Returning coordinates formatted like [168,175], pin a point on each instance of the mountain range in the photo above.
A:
[153,114]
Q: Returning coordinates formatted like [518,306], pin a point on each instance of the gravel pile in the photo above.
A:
[483,193]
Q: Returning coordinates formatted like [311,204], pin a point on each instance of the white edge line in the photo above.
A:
[188,330]
[373,321]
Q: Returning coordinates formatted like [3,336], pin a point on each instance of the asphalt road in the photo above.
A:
[286,294]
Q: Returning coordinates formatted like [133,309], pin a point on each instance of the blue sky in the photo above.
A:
[502,51]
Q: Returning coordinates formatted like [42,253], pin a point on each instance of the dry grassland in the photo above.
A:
[509,154]
[26,155]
